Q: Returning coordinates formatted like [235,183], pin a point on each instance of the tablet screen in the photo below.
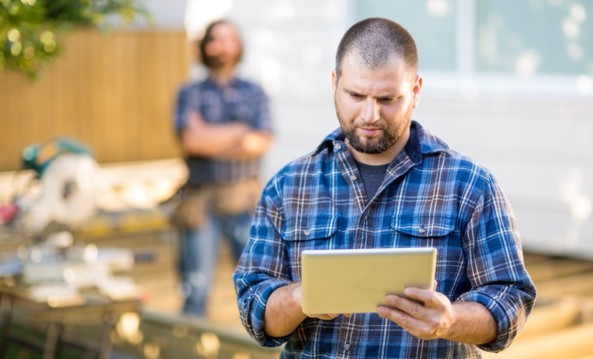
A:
[357,280]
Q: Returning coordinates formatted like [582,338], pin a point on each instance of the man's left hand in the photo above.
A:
[424,313]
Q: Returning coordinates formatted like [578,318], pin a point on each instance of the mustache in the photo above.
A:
[377,125]
[370,127]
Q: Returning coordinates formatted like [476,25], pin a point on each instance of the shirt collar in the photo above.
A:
[421,142]
[210,82]
[328,142]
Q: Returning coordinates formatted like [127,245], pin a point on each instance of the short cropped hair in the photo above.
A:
[207,38]
[375,40]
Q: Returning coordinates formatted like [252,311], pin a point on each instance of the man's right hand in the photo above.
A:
[284,311]
[297,294]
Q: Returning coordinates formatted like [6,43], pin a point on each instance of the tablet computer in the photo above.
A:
[357,280]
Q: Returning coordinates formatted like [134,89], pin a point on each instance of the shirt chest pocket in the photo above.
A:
[424,230]
[307,232]
[439,232]
[309,219]
[241,111]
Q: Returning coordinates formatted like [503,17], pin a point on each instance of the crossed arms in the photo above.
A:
[229,141]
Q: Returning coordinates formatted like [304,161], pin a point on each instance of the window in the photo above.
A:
[432,23]
[535,37]
[522,37]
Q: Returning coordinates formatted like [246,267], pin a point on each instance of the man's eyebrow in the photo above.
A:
[391,94]
[387,97]
[351,91]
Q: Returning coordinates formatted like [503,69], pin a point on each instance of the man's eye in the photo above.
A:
[356,96]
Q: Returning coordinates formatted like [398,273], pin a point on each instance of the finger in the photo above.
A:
[414,326]
[423,296]
[400,318]
[405,305]
[324,316]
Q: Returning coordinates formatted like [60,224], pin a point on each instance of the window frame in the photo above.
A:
[466,81]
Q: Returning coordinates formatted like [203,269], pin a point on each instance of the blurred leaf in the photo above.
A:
[31,31]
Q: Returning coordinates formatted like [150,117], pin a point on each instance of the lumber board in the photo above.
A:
[573,342]
[558,268]
[551,317]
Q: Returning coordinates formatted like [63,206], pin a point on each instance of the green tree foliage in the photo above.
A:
[31,31]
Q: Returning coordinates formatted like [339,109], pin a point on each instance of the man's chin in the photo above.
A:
[367,148]
[371,151]
[220,63]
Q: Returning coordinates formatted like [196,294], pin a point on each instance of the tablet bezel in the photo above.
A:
[357,280]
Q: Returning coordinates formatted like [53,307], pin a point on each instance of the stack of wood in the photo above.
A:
[561,324]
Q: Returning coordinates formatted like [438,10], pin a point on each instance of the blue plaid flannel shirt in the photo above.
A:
[239,101]
[431,196]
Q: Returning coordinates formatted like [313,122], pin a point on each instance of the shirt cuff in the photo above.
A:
[253,307]
[504,335]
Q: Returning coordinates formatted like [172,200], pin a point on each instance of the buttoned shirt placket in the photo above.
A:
[352,176]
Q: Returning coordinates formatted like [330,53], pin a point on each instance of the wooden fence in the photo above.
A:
[113,91]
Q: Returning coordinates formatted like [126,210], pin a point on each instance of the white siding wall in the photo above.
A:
[167,14]
[541,150]
[539,144]
[290,49]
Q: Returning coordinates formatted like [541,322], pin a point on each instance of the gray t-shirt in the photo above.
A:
[372,177]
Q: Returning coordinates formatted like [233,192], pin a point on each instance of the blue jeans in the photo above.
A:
[198,256]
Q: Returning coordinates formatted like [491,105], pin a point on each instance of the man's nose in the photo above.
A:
[371,111]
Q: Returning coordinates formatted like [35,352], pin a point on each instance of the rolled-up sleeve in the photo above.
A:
[262,269]
[495,268]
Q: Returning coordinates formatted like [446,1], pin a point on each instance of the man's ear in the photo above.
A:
[334,80]
[417,90]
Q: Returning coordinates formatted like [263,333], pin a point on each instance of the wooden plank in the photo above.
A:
[170,303]
[551,316]
[568,343]
[534,258]
[579,284]
[114,92]
[558,268]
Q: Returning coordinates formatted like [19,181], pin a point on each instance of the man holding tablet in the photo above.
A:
[383,181]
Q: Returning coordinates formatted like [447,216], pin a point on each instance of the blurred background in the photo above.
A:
[508,83]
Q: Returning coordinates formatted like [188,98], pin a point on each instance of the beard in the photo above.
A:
[219,62]
[389,134]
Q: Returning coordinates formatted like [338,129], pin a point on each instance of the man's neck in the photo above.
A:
[224,75]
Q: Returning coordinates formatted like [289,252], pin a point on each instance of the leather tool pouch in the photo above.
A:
[224,199]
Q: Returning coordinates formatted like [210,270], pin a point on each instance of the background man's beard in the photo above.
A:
[217,62]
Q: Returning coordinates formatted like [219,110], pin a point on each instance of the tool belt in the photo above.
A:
[221,199]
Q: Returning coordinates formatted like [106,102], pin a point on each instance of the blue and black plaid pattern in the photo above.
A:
[431,196]
[239,101]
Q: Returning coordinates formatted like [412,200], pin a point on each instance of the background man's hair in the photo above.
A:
[375,40]
[207,38]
